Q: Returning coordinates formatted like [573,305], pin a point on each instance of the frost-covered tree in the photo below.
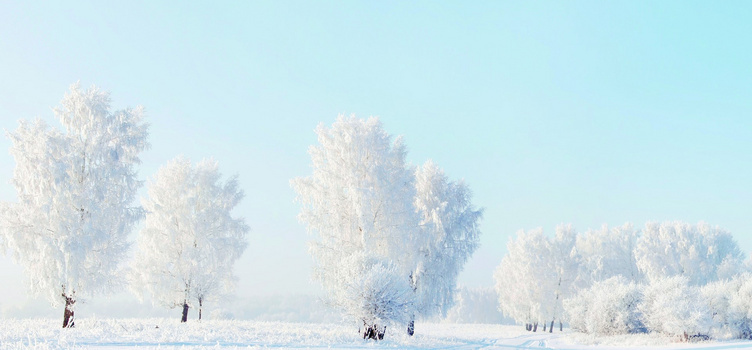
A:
[609,252]
[537,275]
[563,277]
[673,307]
[724,302]
[358,202]
[448,236]
[190,240]
[607,307]
[521,278]
[738,294]
[75,187]
[701,253]
[364,200]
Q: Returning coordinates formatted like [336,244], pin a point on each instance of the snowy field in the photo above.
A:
[170,334]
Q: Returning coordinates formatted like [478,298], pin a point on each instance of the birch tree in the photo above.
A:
[70,224]
[190,240]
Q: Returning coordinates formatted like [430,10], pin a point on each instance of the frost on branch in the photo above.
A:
[75,188]
[190,240]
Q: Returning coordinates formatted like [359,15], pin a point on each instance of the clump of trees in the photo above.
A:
[673,278]
[391,238]
[74,212]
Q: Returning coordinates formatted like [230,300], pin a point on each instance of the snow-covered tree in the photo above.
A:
[673,307]
[73,215]
[190,240]
[448,236]
[738,294]
[563,278]
[727,305]
[607,307]
[608,252]
[358,202]
[364,200]
[522,278]
[701,253]
[537,275]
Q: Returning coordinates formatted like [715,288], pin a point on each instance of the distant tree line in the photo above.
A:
[674,278]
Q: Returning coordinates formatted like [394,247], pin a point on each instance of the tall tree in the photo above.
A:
[358,203]
[190,240]
[523,279]
[70,223]
[448,236]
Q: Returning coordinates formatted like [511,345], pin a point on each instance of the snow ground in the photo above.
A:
[94,333]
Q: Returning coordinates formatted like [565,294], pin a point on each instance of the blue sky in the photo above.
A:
[581,112]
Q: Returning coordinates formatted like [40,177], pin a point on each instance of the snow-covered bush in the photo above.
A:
[717,296]
[739,319]
[606,308]
[375,293]
[672,307]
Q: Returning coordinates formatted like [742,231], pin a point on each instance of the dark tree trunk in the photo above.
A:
[411,328]
[185,312]
[561,327]
[527,327]
[373,332]
[551,330]
[200,307]
[68,319]
[544,326]
[535,327]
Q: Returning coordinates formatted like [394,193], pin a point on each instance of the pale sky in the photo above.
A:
[553,112]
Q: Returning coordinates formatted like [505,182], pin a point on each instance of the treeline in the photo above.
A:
[682,280]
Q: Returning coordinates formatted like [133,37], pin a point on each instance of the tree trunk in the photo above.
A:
[535,327]
[561,327]
[200,307]
[527,327]
[185,312]
[68,319]
[544,326]
[373,332]
[411,328]
[551,330]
